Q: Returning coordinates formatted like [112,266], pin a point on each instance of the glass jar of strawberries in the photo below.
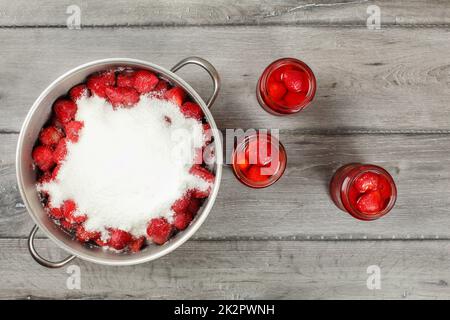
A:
[286,86]
[259,160]
[365,191]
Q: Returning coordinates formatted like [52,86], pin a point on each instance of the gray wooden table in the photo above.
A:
[383,98]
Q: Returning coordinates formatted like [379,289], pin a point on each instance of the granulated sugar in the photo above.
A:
[129,164]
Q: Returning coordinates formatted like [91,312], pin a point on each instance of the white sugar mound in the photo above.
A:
[129,164]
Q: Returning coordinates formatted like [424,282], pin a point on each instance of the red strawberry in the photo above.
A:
[98,82]
[65,110]
[182,219]
[254,174]
[385,188]
[369,202]
[145,81]
[276,90]
[293,99]
[295,81]
[101,242]
[159,230]
[85,236]
[162,86]
[204,174]
[43,157]
[55,213]
[78,91]
[45,177]
[181,205]
[50,136]
[60,151]
[122,96]
[260,149]
[207,133]
[68,208]
[67,225]
[176,95]
[55,172]
[136,244]
[367,182]
[194,206]
[126,79]
[277,74]
[119,239]
[191,110]
[73,130]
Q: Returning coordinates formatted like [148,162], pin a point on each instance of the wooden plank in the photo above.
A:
[298,206]
[187,12]
[367,80]
[242,270]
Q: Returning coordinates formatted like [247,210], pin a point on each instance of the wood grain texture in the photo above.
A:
[242,270]
[249,12]
[298,206]
[392,80]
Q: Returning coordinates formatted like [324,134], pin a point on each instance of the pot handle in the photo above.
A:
[208,68]
[39,259]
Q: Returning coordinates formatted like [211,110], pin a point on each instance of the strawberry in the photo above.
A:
[182,219]
[204,174]
[78,91]
[162,86]
[100,242]
[98,82]
[126,79]
[277,74]
[259,149]
[242,160]
[85,236]
[50,136]
[181,205]
[176,95]
[67,225]
[45,177]
[136,244]
[385,188]
[43,157]
[65,110]
[119,239]
[295,81]
[207,133]
[367,182]
[60,151]
[276,90]
[68,209]
[192,110]
[122,96]
[369,202]
[194,206]
[145,81]
[55,172]
[293,99]
[55,213]
[73,130]
[159,230]
[254,174]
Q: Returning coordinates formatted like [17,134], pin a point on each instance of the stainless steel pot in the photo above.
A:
[26,176]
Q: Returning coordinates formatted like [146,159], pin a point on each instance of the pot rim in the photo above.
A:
[183,235]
